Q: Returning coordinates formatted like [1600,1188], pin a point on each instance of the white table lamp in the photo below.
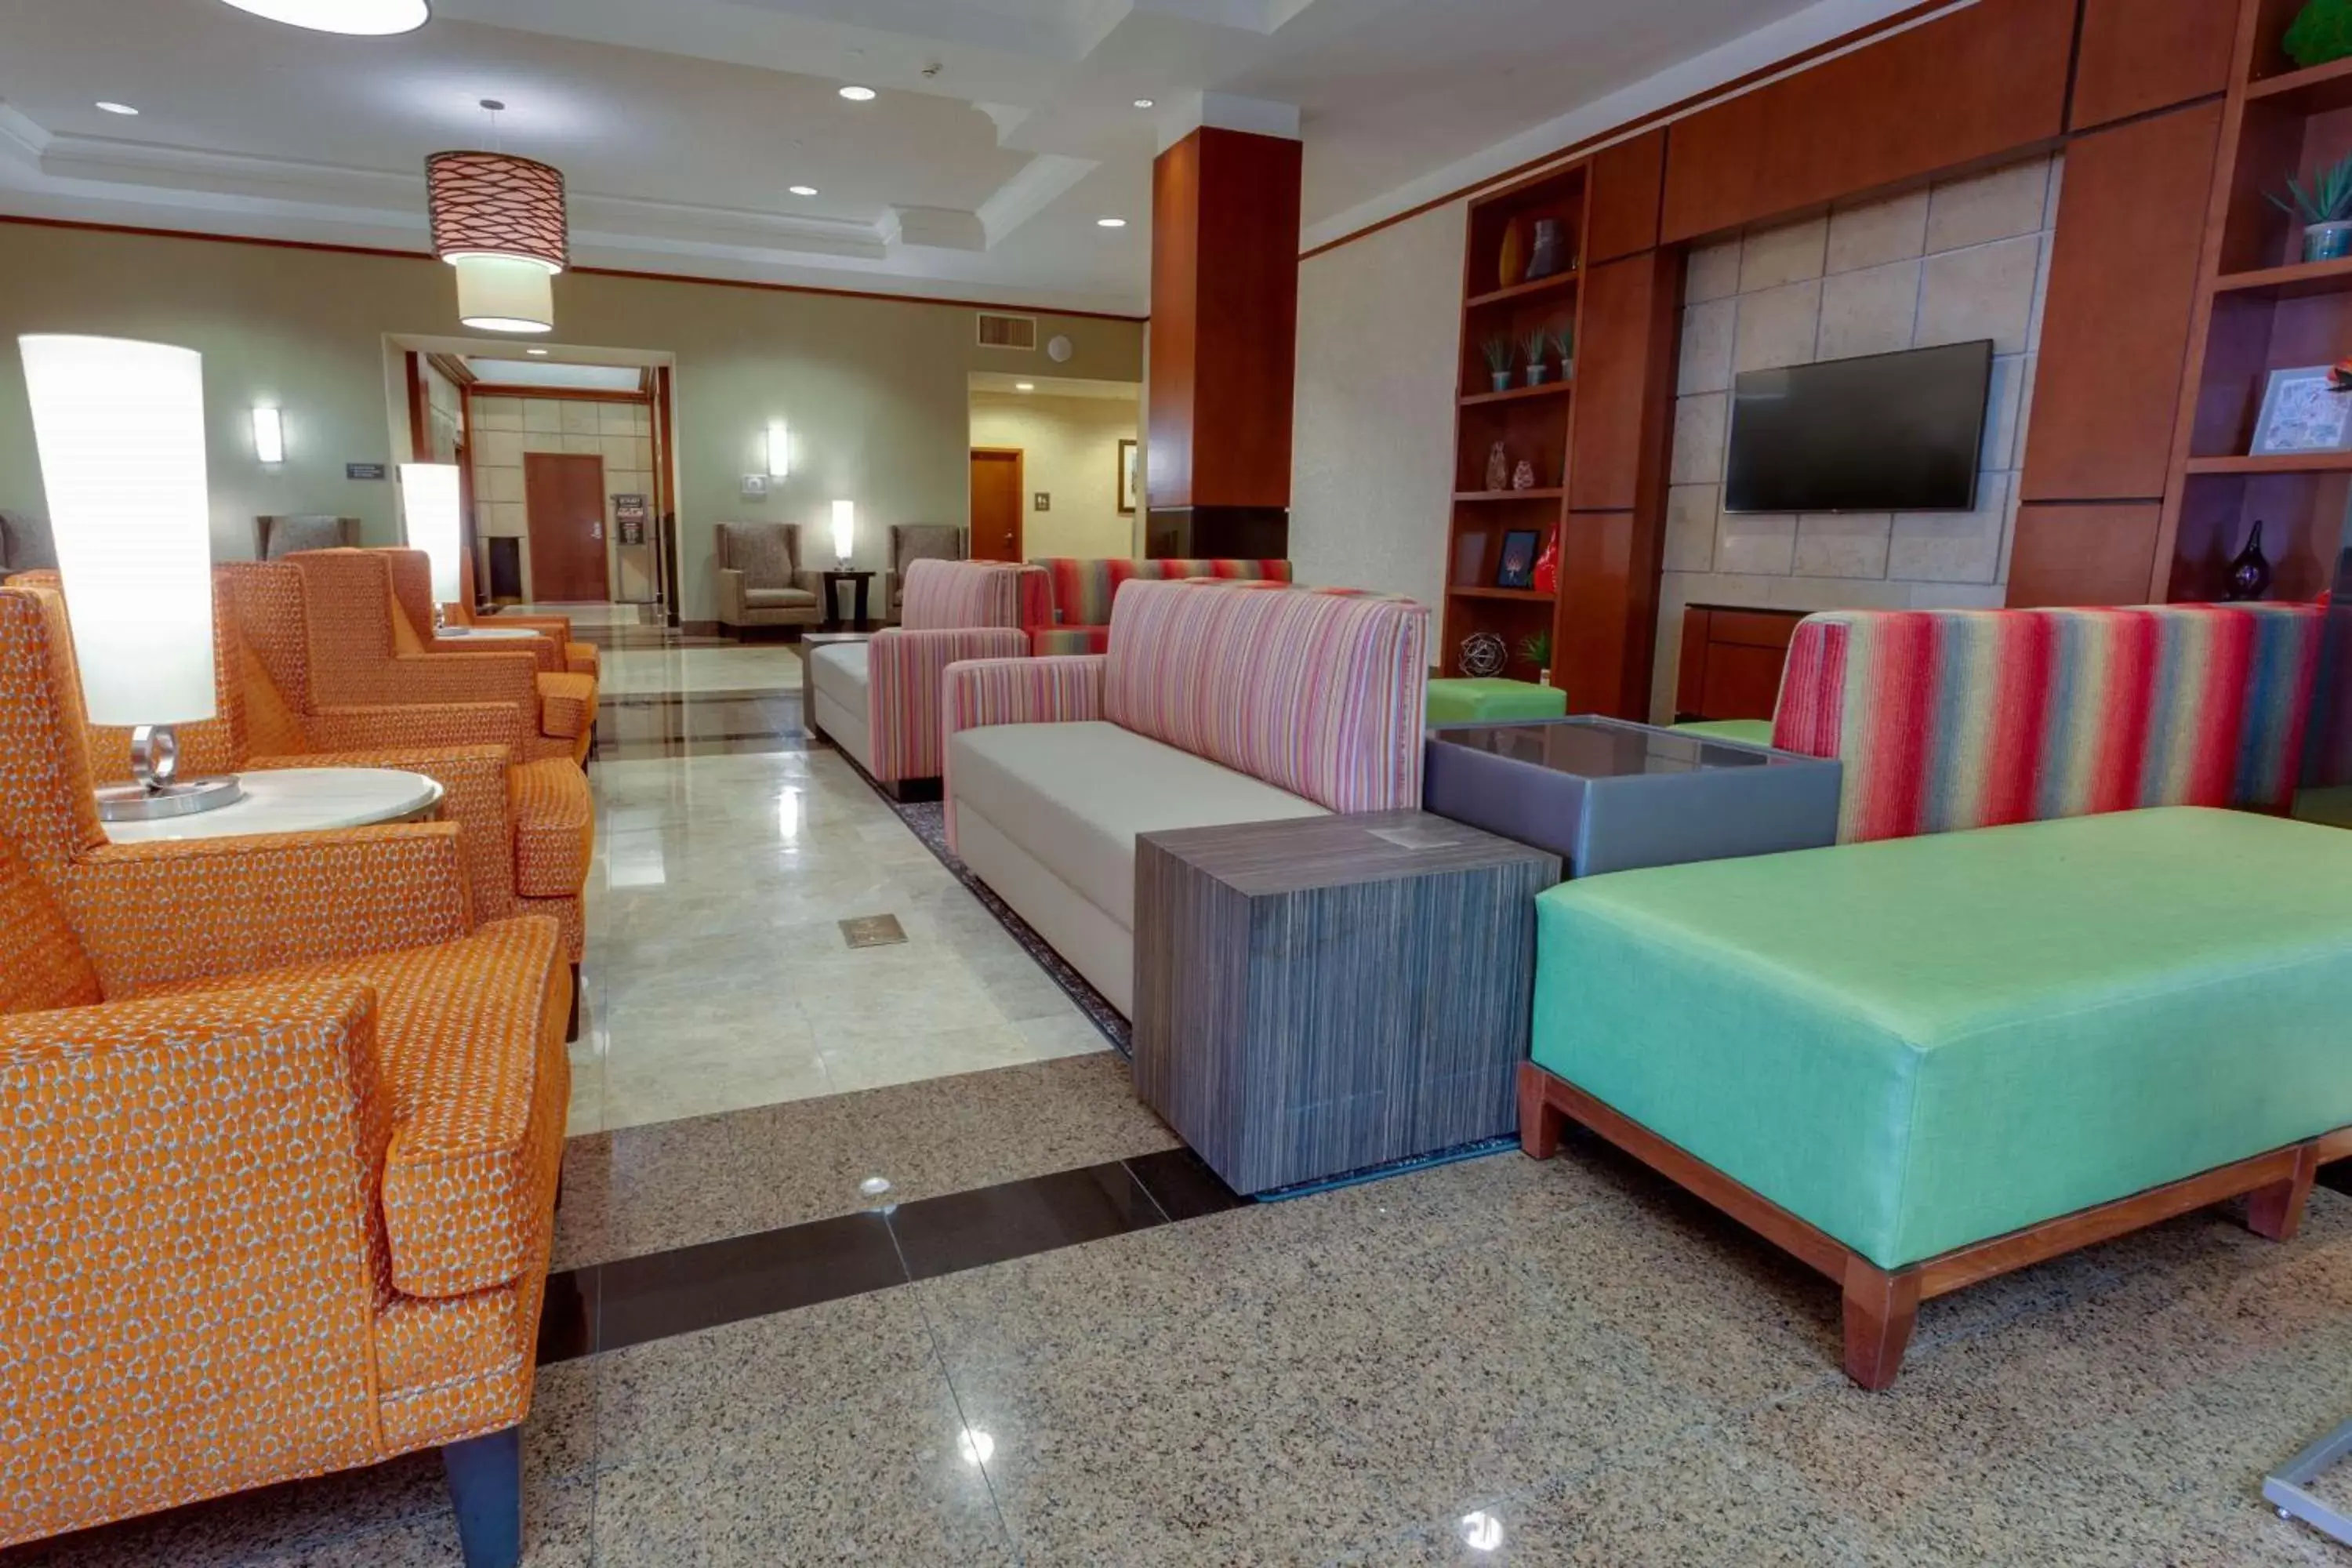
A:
[845,531]
[429,509]
[120,428]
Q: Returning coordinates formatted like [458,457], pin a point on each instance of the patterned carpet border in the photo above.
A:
[927,820]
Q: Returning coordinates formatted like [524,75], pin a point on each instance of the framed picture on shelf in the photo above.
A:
[1517,569]
[1127,478]
[2303,412]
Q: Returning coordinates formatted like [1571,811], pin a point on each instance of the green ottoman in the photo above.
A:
[1746,731]
[1493,702]
[1901,1049]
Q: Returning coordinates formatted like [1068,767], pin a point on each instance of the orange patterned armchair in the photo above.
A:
[579,657]
[364,653]
[279,1134]
[412,591]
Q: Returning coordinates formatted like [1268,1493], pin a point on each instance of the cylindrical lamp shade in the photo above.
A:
[494,203]
[845,528]
[372,18]
[500,294]
[429,507]
[120,428]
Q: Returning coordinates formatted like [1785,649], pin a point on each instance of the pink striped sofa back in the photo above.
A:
[956,595]
[1316,693]
[1955,719]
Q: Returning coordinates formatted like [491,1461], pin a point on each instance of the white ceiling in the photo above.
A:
[1003,128]
[552,373]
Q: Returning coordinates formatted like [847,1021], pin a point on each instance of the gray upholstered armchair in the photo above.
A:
[281,536]
[761,582]
[25,543]
[917,541]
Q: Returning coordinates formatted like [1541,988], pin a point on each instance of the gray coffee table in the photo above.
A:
[1608,796]
[1318,995]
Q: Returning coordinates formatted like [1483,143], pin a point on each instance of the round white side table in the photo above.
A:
[485,634]
[299,800]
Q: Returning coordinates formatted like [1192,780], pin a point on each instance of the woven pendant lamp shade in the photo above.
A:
[499,221]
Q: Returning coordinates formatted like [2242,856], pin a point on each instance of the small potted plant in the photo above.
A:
[1498,349]
[2325,209]
[1563,344]
[1536,648]
[1533,345]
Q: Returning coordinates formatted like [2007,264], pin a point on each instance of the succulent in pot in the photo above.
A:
[2325,209]
[1535,345]
[1498,349]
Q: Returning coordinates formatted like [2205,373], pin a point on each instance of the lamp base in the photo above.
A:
[154,802]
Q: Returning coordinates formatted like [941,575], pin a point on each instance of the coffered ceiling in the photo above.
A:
[1002,133]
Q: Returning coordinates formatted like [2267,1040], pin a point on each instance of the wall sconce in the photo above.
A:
[780,450]
[268,435]
[120,430]
[845,529]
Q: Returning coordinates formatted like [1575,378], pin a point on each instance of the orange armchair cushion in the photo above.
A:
[42,964]
[554,827]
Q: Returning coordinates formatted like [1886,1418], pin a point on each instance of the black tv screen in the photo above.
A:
[1895,432]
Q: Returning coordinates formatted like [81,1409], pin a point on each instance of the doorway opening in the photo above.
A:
[1056,466]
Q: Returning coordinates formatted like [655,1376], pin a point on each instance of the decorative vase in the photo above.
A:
[1498,468]
[1523,477]
[1547,258]
[1535,374]
[2250,573]
[1548,570]
[1512,265]
[1484,655]
[2327,242]
[1502,381]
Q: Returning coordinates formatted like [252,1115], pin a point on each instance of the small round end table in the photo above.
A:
[299,800]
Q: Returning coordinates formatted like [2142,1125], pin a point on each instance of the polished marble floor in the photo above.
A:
[729,849]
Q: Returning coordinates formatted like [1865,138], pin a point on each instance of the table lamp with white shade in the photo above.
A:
[844,532]
[430,507]
[120,428]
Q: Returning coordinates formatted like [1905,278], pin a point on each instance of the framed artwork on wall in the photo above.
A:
[1127,478]
[1518,568]
[2304,411]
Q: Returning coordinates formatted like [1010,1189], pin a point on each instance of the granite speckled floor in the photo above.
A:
[1494,1362]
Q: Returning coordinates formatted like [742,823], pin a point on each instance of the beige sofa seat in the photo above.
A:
[839,677]
[1055,809]
[779,599]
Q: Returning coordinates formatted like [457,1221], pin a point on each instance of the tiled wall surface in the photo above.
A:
[506,427]
[1967,259]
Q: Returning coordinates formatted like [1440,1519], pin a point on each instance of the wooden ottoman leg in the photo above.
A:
[1880,1309]
[2275,1211]
[486,1487]
[1541,1122]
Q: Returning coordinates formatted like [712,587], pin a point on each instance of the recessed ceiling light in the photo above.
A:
[535,354]
[1024,387]
[113,108]
[1143,103]
[372,18]
[804,190]
[858,94]
[1110,222]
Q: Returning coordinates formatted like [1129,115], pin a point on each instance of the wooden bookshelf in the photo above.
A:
[2261,309]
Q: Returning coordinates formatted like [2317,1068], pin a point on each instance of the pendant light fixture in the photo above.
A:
[371,19]
[499,221]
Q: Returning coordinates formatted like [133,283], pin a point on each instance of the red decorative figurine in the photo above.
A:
[1546,578]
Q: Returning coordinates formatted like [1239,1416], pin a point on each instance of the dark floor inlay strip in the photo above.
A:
[610,1306]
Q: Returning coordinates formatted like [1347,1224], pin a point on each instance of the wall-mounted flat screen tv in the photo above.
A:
[1897,432]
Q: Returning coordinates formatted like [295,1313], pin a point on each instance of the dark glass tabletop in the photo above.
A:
[1597,748]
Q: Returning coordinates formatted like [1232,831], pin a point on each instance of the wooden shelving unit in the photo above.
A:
[2260,307]
[1532,423]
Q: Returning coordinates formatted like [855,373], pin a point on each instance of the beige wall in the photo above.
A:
[618,433]
[875,390]
[1380,323]
[1069,449]
[1967,260]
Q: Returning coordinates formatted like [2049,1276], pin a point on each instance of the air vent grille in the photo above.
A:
[1003,332]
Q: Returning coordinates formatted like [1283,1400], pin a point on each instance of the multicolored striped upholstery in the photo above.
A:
[1049,691]
[950,596]
[1314,693]
[1085,589]
[904,703]
[1956,719]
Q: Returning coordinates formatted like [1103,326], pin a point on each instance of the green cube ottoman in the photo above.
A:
[1919,1044]
[1746,731]
[1493,702]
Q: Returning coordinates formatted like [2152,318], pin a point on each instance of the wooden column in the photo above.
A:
[1224,329]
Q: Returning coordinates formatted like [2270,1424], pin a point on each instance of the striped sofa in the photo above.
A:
[878,698]
[1210,705]
[1077,617]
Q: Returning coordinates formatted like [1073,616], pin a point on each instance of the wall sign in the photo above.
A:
[1044,500]
[629,516]
[362,470]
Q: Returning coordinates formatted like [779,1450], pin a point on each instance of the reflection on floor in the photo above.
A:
[729,850]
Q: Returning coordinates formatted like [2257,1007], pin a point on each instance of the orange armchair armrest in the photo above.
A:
[150,914]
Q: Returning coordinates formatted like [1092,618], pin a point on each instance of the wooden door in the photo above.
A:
[997,503]
[564,494]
